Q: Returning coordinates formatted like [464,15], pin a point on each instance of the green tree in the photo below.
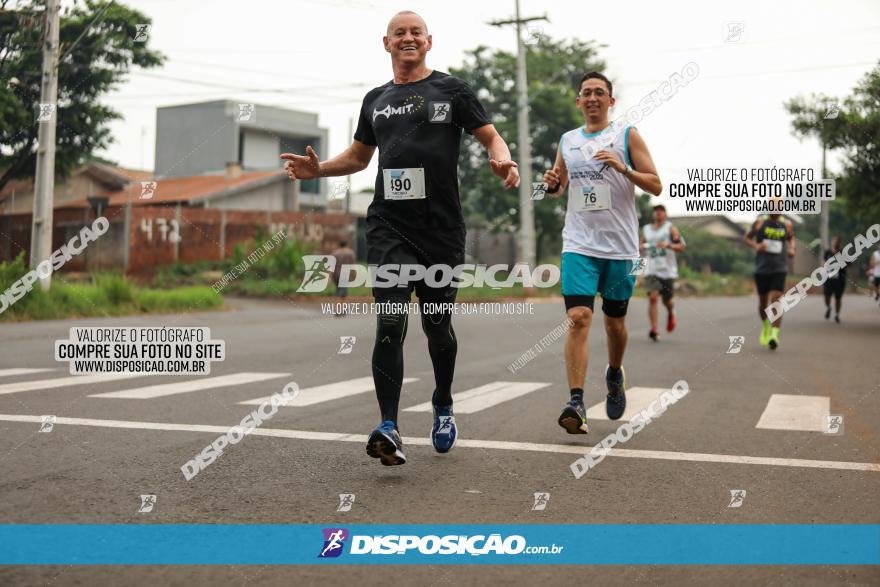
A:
[706,250]
[554,68]
[104,52]
[645,207]
[851,126]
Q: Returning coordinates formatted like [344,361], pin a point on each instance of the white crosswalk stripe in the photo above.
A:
[485,396]
[807,413]
[14,372]
[154,391]
[66,382]
[329,392]
[637,399]
[566,449]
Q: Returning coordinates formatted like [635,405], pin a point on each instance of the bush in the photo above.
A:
[719,254]
[283,261]
[12,271]
[117,289]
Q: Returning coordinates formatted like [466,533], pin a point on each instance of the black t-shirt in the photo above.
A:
[418,125]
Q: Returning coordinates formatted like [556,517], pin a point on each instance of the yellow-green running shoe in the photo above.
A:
[765,334]
[774,338]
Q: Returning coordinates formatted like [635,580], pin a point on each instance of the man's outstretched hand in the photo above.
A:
[302,166]
[506,170]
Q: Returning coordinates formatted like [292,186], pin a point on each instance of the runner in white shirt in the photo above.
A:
[659,243]
[600,163]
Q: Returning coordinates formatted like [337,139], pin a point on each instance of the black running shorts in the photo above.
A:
[391,243]
[767,282]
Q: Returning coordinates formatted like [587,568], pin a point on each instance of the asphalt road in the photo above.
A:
[95,463]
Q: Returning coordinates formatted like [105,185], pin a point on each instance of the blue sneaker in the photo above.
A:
[574,418]
[385,444]
[615,402]
[444,432]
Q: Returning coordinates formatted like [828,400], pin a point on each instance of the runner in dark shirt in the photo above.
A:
[416,120]
[835,285]
[772,236]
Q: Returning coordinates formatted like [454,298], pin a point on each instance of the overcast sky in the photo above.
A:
[323,55]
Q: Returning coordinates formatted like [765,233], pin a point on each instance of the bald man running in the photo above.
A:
[416,121]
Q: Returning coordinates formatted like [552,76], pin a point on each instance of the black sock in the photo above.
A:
[577,394]
[613,371]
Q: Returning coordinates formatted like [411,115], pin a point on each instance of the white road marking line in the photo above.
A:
[66,382]
[795,412]
[484,444]
[154,391]
[637,399]
[13,372]
[329,392]
[485,396]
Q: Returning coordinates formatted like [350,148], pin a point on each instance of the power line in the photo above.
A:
[229,87]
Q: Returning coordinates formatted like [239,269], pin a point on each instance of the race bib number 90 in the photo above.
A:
[589,198]
[404,184]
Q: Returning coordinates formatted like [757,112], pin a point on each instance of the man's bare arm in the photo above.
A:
[355,158]
[677,243]
[557,175]
[499,155]
[644,172]
[750,237]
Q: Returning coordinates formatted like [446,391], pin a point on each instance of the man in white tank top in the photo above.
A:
[659,243]
[600,164]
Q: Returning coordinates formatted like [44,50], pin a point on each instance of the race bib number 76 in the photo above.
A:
[589,198]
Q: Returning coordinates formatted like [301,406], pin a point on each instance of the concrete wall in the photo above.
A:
[482,246]
[260,150]
[194,139]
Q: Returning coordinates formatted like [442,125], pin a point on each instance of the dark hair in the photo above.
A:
[595,75]
[660,207]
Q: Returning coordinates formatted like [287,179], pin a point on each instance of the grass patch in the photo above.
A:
[695,283]
[107,295]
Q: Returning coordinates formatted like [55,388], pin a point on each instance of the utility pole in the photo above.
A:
[348,179]
[824,211]
[526,249]
[44,180]
[351,230]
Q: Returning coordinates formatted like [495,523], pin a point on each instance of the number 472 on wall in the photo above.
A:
[169,230]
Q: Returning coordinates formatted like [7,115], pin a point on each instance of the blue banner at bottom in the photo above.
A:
[589,544]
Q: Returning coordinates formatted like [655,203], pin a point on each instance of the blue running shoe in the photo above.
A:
[574,418]
[444,432]
[385,444]
[615,402]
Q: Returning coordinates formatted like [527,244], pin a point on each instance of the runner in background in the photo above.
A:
[344,256]
[835,285]
[773,238]
[659,244]
[874,273]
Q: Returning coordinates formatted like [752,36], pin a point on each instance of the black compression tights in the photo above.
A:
[388,358]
